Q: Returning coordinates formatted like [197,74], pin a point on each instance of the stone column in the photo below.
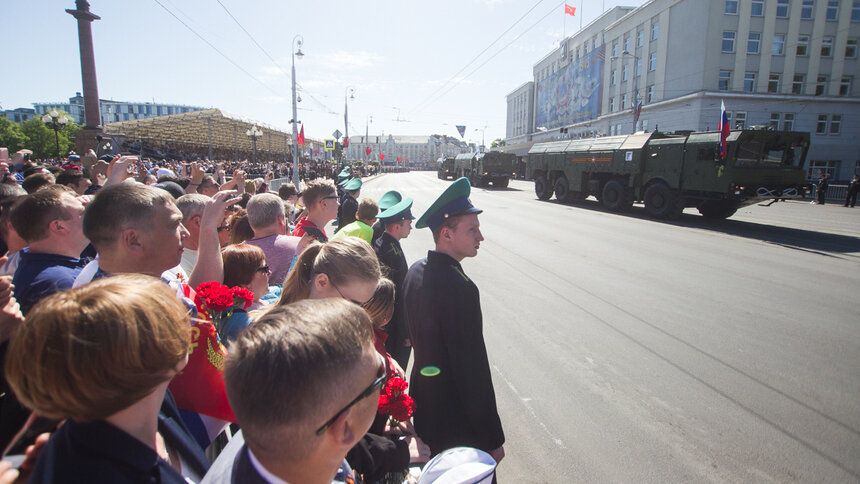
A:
[86,138]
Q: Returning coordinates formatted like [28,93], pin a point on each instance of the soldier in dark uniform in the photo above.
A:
[349,203]
[451,381]
[386,201]
[397,221]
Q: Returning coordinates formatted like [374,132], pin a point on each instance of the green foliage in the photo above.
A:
[11,136]
[497,143]
[41,139]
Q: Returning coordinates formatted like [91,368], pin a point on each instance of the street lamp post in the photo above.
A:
[635,100]
[56,122]
[367,135]
[483,146]
[298,40]
[254,132]
[348,93]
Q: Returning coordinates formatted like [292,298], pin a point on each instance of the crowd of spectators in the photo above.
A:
[99,316]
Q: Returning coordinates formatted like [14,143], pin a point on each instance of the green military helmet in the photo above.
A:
[389,199]
[397,212]
[453,202]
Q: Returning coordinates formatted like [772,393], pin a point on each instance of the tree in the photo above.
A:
[497,143]
[43,142]
[11,136]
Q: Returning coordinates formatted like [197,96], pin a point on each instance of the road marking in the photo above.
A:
[525,401]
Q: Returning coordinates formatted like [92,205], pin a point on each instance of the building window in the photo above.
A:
[778,47]
[851,48]
[652,61]
[611,104]
[626,44]
[612,77]
[757,8]
[749,82]
[774,121]
[624,73]
[821,85]
[788,121]
[821,124]
[638,71]
[649,93]
[615,49]
[819,167]
[732,7]
[782,8]
[725,80]
[594,43]
[585,48]
[773,83]
[728,41]
[827,47]
[740,119]
[655,30]
[855,12]
[835,123]
[806,9]
[802,45]
[623,102]
[640,38]
[754,43]
[845,86]
[797,84]
[832,12]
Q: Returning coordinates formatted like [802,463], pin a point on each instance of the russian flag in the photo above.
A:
[724,130]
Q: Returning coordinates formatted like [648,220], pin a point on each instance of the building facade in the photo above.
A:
[410,149]
[113,111]
[669,64]
[18,115]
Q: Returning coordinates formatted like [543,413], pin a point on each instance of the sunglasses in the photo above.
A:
[374,387]
[361,304]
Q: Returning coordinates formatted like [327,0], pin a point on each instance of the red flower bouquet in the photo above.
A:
[217,301]
[394,402]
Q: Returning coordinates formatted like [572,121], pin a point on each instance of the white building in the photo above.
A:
[417,149]
[790,64]
[113,111]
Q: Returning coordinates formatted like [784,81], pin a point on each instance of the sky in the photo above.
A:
[417,68]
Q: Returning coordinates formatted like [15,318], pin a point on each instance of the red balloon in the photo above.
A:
[367,150]
[381,157]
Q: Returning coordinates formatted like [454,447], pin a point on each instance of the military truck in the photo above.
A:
[446,169]
[484,168]
[671,171]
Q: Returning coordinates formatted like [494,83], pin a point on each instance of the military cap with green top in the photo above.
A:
[453,202]
[388,200]
[397,212]
[352,185]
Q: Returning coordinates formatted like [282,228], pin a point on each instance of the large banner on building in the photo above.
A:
[571,94]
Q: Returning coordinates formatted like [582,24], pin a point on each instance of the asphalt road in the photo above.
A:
[625,349]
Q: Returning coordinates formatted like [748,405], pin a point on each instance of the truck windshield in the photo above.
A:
[762,149]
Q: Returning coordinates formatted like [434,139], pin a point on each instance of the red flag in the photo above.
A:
[301,139]
[368,150]
[569,10]
[381,156]
[398,159]
[346,142]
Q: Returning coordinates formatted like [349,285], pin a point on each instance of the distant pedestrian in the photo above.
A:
[851,194]
[822,188]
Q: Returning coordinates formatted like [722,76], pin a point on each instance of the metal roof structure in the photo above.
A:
[209,127]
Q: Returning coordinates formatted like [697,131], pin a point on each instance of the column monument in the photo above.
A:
[86,137]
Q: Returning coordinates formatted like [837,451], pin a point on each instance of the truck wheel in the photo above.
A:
[717,209]
[542,188]
[613,196]
[562,189]
[660,202]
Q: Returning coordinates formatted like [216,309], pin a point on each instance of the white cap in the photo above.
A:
[164,172]
[460,465]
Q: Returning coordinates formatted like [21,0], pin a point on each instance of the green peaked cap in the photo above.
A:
[353,184]
[453,202]
[389,199]
[397,212]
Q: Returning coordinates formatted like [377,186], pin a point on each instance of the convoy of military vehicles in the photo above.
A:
[666,171]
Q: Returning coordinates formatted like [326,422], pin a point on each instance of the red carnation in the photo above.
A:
[401,410]
[396,386]
[243,296]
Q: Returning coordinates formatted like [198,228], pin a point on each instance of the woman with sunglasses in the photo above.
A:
[244,266]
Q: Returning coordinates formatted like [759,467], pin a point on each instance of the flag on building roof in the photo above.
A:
[724,130]
[569,10]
